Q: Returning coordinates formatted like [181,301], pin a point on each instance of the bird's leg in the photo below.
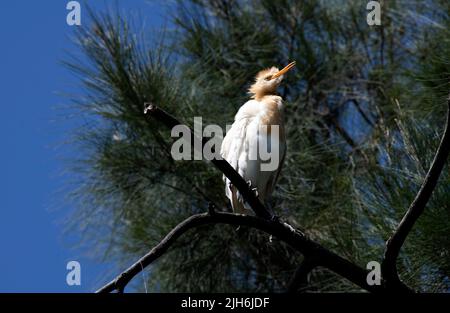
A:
[253,189]
[275,218]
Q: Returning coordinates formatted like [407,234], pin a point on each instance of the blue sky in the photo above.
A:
[34,251]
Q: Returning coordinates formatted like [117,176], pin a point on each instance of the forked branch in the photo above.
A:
[396,241]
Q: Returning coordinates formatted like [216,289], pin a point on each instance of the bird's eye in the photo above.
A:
[267,78]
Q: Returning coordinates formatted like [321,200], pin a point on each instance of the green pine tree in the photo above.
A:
[364,111]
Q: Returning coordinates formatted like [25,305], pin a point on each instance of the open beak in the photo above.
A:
[284,70]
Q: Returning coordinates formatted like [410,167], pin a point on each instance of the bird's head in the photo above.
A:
[267,81]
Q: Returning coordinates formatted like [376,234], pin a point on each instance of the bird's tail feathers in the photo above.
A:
[237,201]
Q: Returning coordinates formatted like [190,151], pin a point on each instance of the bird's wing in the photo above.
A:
[234,140]
[237,144]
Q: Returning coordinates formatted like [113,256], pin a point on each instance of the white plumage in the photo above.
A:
[253,129]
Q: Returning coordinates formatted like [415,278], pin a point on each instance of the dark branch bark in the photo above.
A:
[221,164]
[396,241]
[283,231]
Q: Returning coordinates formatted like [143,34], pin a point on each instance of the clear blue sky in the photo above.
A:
[34,36]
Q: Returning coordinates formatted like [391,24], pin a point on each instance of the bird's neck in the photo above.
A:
[261,93]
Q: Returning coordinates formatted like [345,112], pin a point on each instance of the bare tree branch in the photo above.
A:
[396,241]
[282,231]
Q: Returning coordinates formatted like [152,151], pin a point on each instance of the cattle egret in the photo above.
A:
[258,123]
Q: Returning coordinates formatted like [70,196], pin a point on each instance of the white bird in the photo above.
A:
[253,129]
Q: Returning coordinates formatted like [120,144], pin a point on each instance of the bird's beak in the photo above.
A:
[284,70]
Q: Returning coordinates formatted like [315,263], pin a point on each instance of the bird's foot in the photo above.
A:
[253,189]
[275,218]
